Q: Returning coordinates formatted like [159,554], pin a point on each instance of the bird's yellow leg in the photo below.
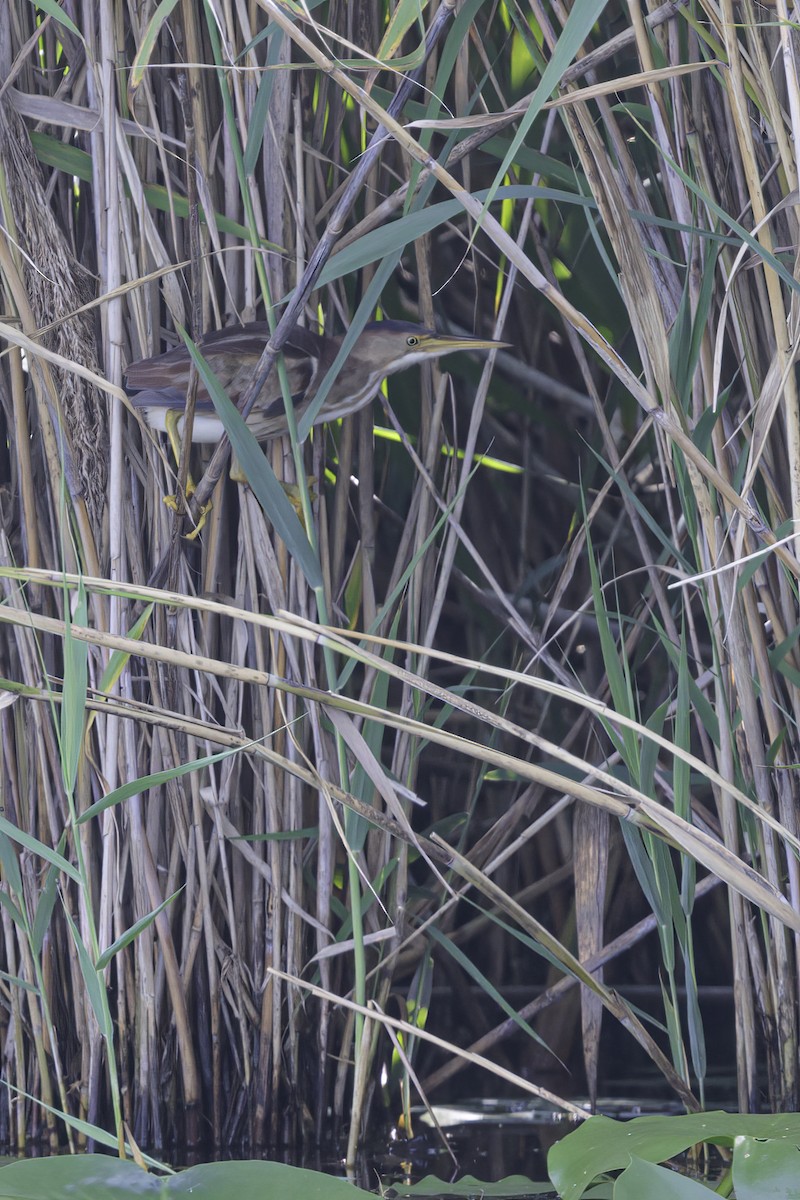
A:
[291,489]
[236,472]
[171,418]
[295,497]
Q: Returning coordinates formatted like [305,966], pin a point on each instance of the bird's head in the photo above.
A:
[385,347]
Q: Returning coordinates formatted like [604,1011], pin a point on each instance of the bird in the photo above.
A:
[157,386]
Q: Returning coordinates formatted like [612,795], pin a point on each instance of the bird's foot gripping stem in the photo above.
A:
[172,502]
[171,419]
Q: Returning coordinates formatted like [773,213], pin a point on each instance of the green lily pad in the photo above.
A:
[766,1170]
[100,1177]
[472,1188]
[601,1145]
[656,1183]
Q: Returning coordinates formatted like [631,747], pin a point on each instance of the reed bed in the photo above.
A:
[519,691]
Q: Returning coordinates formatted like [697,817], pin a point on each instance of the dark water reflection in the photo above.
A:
[487,1139]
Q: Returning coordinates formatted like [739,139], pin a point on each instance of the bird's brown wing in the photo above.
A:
[232,354]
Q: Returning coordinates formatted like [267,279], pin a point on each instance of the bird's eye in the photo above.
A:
[412,340]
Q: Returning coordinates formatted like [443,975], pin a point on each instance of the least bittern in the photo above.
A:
[158,385]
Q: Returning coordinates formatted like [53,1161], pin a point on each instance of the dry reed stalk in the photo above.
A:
[649,285]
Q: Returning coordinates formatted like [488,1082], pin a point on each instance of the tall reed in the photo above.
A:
[567,575]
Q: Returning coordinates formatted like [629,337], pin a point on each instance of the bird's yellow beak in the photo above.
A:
[436,344]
